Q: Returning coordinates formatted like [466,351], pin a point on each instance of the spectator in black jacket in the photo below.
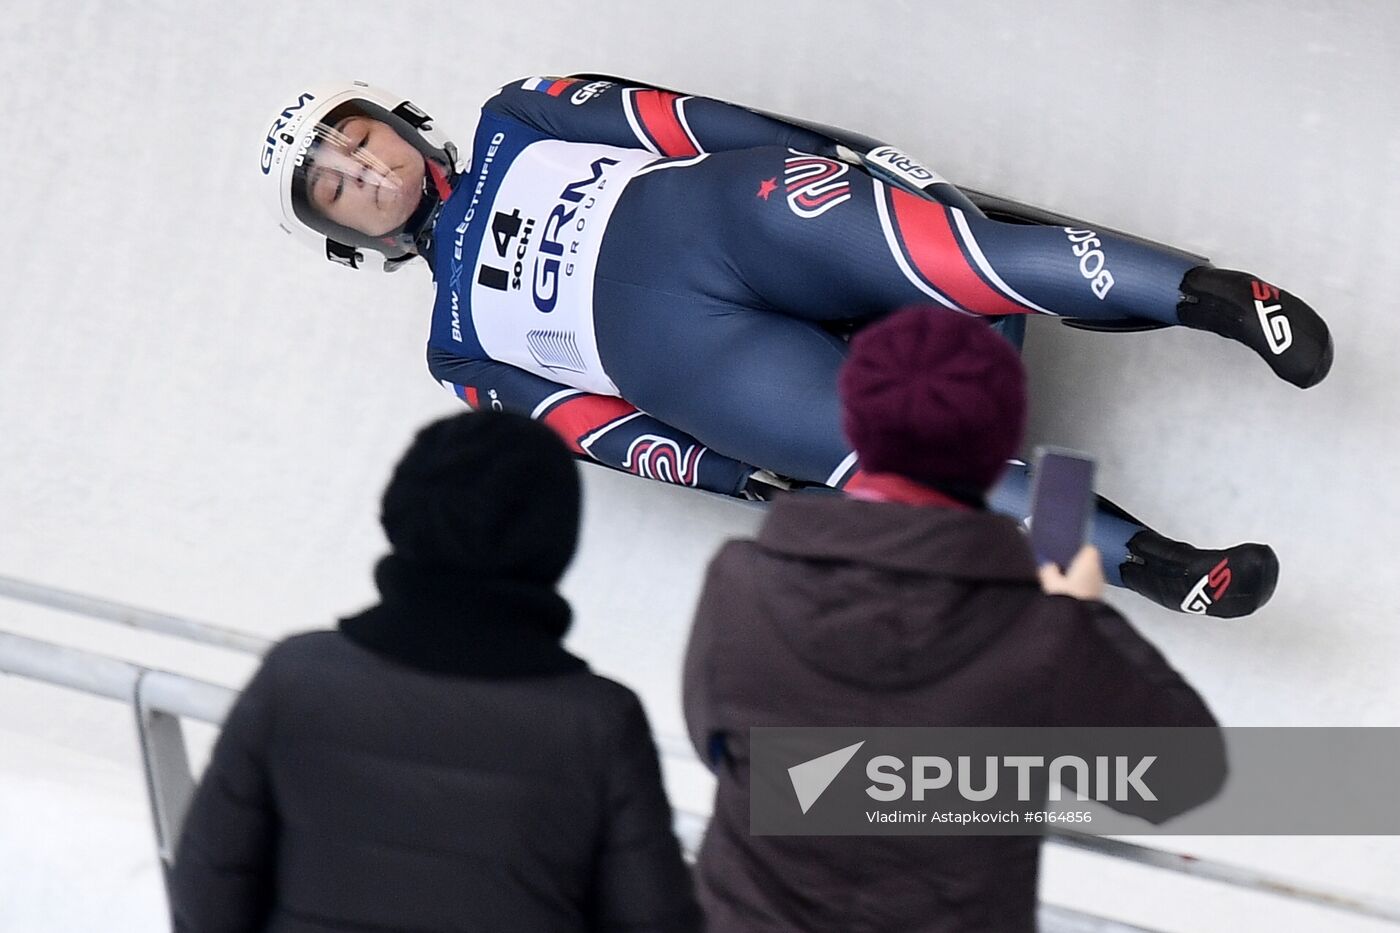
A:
[441,763]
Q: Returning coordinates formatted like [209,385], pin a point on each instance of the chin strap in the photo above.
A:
[417,234]
[439,179]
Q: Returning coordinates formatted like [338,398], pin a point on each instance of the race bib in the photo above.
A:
[532,290]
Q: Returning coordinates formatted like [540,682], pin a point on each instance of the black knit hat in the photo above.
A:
[493,493]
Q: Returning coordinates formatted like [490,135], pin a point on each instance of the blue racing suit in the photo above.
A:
[655,276]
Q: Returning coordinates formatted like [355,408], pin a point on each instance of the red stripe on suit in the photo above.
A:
[577,417]
[659,117]
[932,244]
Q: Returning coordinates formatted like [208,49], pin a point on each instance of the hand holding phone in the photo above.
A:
[1083,579]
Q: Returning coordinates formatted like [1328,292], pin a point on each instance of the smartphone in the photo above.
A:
[1062,495]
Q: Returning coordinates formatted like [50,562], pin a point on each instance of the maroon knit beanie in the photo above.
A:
[934,396]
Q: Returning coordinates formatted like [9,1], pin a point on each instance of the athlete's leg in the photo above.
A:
[851,246]
[1105,273]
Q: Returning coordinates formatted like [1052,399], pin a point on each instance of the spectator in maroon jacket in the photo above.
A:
[910,605]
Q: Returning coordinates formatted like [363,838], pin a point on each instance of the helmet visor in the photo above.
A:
[358,172]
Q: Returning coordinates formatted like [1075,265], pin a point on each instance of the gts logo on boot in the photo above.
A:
[1218,580]
[1277,330]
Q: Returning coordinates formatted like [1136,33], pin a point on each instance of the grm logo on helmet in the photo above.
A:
[271,147]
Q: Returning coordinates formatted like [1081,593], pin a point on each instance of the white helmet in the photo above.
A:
[289,152]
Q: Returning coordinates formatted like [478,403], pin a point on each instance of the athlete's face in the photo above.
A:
[365,176]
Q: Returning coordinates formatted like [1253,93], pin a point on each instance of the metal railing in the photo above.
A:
[143,619]
[160,699]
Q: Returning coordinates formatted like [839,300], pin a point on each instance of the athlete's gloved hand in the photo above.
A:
[763,485]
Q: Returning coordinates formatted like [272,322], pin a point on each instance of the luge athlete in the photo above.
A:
[658,277]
